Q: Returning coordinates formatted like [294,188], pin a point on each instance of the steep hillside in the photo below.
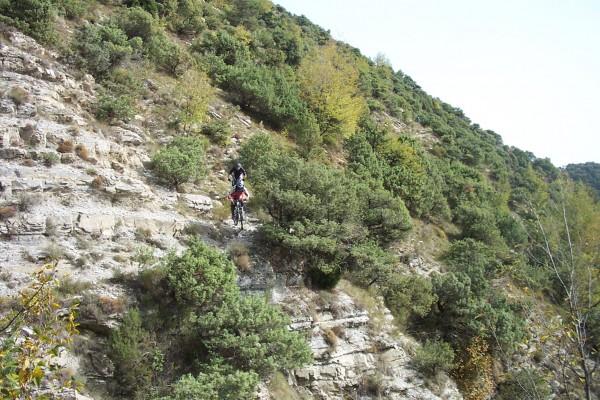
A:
[92,206]
[393,248]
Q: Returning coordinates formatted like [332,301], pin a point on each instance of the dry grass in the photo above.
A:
[66,146]
[366,300]
[280,389]
[70,286]
[18,95]
[7,212]
[27,201]
[99,182]
[27,130]
[82,151]
[331,339]
[221,213]
[111,305]
[239,255]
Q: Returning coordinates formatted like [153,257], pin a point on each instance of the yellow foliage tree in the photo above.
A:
[474,371]
[329,85]
[192,94]
[33,333]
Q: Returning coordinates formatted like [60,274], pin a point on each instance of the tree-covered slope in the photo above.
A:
[588,173]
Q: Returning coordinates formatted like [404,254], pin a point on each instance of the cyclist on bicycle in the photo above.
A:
[238,173]
[238,192]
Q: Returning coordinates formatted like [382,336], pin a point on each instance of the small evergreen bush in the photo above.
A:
[434,356]
[181,161]
[167,55]
[110,107]
[33,17]
[219,132]
[129,348]
[98,48]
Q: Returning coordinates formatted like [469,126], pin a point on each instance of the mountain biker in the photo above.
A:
[238,173]
[238,192]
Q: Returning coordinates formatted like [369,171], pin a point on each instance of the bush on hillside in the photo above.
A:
[408,296]
[202,283]
[136,22]
[98,48]
[33,17]
[434,356]
[181,161]
[109,107]
[222,45]
[130,348]
[270,93]
[217,383]
[72,9]
[219,132]
[188,18]
[167,55]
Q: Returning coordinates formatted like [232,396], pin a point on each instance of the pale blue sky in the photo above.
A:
[527,69]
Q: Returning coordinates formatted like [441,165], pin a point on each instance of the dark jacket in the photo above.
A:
[237,173]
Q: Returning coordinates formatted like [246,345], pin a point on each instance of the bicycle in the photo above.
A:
[238,213]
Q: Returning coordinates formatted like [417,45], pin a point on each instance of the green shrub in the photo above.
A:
[50,159]
[232,333]
[121,81]
[219,132]
[218,383]
[136,22]
[434,356]
[224,46]
[167,55]
[98,48]
[251,335]
[129,348]
[408,296]
[182,160]
[33,17]
[370,264]
[109,107]
[272,94]
[201,278]
[144,255]
[72,9]
[385,216]
[187,19]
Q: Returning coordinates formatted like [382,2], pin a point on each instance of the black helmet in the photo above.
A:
[239,185]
